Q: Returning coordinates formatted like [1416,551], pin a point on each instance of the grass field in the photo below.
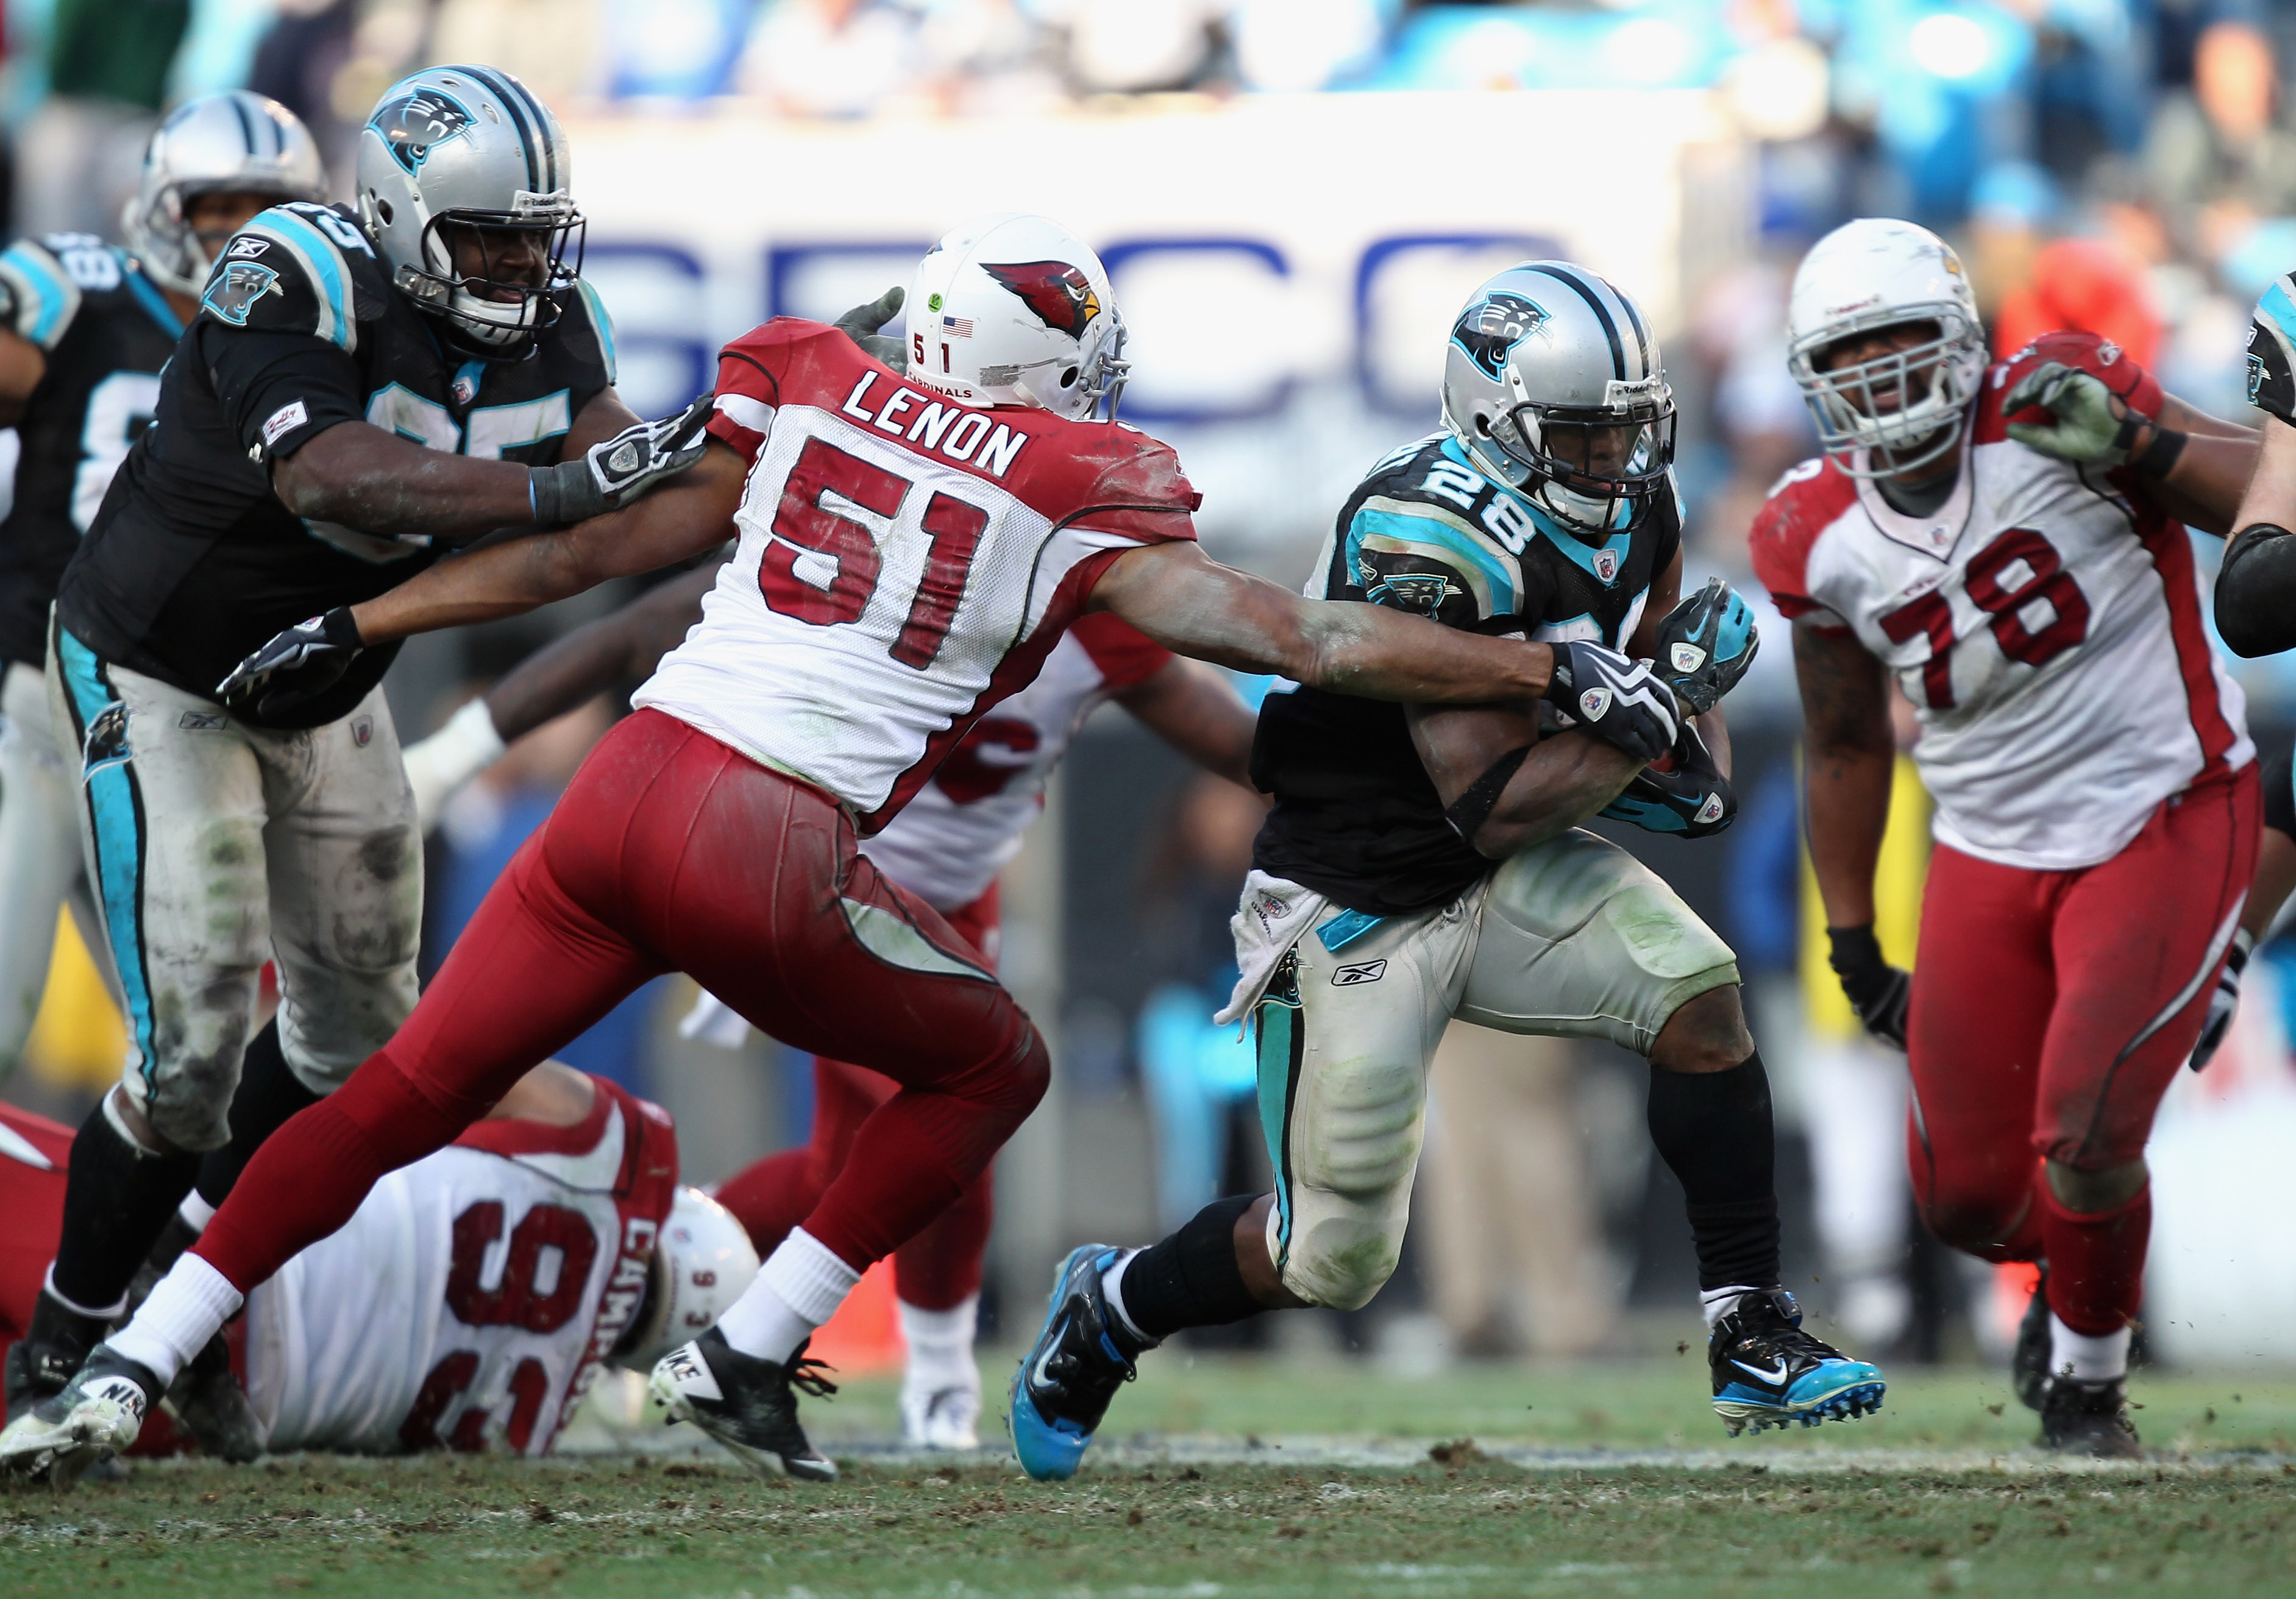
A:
[1240,1477]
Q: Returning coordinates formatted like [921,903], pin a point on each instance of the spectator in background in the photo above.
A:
[82,151]
[550,46]
[2091,285]
[2219,156]
[830,58]
[329,60]
[1738,333]
[2012,207]
[1136,46]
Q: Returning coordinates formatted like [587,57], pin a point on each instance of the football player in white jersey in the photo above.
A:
[946,848]
[2007,542]
[911,551]
[471,1299]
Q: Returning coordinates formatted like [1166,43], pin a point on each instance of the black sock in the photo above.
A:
[1712,1128]
[269,1093]
[1191,1279]
[116,1198]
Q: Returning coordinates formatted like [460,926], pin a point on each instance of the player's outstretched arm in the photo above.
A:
[1192,708]
[1189,604]
[2256,586]
[2191,464]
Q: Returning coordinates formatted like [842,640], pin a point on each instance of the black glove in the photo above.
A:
[296,666]
[2224,1001]
[1619,700]
[1684,793]
[615,472]
[861,323]
[1877,990]
[1705,645]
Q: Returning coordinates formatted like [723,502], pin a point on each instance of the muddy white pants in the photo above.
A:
[41,868]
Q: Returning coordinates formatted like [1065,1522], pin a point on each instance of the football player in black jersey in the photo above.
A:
[362,388]
[1424,863]
[85,328]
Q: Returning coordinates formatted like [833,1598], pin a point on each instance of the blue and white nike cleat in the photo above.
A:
[1081,1356]
[97,1416]
[1768,1372]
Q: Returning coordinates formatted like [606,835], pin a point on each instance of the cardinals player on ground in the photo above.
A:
[946,848]
[910,553]
[2006,542]
[470,1301]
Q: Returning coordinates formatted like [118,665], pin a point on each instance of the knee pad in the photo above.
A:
[2095,1192]
[1977,1224]
[1359,1137]
[1340,1260]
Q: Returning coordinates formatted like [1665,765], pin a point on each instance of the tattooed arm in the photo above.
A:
[1848,759]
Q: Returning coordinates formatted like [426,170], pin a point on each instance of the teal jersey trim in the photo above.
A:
[319,257]
[1580,553]
[1276,1023]
[55,295]
[1437,538]
[150,298]
[116,814]
[2276,305]
[604,323]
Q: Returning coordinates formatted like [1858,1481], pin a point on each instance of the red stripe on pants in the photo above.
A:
[2027,1035]
[671,852]
[937,1269]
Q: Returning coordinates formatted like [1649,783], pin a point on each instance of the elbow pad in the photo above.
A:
[2256,591]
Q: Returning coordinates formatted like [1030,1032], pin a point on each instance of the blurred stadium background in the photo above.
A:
[1294,196]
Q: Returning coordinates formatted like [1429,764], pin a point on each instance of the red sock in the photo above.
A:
[939,1269]
[310,1177]
[2096,1263]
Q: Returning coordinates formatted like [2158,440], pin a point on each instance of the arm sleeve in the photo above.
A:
[748,391]
[1124,655]
[2256,592]
[280,390]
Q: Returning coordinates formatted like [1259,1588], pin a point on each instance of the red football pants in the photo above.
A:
[671,852]
[2050,1011]
[937,1269]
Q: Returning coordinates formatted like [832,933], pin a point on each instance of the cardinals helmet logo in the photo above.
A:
[1057,292]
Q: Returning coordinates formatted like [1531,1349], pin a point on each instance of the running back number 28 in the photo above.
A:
[822,565]
[2002,593]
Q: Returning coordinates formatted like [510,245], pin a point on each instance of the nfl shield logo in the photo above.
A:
[466,388]
[1606,565]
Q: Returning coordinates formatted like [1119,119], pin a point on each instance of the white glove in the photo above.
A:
[440,765]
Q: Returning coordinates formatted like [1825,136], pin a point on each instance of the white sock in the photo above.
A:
[195,1211]
[189,1306]
[102,1312]
[940,1343]
[1716,1303]
[1111,1285]
[2087,1359]
[800,1287]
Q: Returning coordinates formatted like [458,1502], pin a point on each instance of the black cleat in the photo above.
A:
[1768,1372]
[746,1404]
[2090,1419]
[2029,1362]
[52,1348]
[206,1398]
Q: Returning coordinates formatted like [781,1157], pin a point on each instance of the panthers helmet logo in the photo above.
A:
[1490,328]
[1057,292]
[414,125]
[231,294]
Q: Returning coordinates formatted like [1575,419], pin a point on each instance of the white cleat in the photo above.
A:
[945,1415]
[97,1416]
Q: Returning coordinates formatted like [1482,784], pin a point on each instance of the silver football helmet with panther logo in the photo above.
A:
[231,143]
[1552,384]
[465,184]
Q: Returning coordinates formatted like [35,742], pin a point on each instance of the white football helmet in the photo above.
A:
[1896,412]
[231,143]
[471,147]
[1552,384]
[702,1262]
[1015,311]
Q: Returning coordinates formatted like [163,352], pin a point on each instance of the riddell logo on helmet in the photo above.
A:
[1854,306]
[1057,292]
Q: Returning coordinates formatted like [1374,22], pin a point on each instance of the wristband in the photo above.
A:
[2160,457]
[1469,812]
[340,628]
[563,495]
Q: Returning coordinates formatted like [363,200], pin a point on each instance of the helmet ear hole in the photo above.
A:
[382,210]
[1069,378]
[1482,425]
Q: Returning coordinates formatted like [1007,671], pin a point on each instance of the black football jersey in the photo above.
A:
[1357,818]
[2272,350]
[106,331]
[193,561]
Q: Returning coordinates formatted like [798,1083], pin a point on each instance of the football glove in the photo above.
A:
[1620,702]
[1877,990]
[1705,645]
[861,323]
[295,667]
[2224,1001]
[1684,793]
[2089,425]
[615,472]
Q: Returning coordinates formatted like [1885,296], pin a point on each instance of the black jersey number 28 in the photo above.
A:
[823,565]
[2003,597]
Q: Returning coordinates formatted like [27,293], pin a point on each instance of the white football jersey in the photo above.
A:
[468,1303]
[964,826]
[906,562]
[2046,623]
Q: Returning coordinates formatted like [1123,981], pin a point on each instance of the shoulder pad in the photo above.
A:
[601,324]
[293,269]
[49,275]
[1809,499]
[2272,351]
[1410,557]
[1131,468]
